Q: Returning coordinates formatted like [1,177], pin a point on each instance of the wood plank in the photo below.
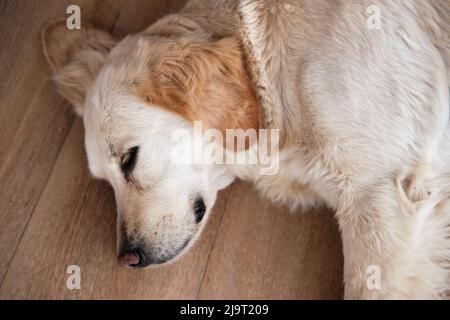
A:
[265,252]
[137,15]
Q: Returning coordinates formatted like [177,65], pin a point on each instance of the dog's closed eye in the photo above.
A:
[128,161]
[199,209]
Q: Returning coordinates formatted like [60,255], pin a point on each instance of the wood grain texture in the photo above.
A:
[266,252]
[52,214]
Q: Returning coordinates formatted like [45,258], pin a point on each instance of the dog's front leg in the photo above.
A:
[384,257]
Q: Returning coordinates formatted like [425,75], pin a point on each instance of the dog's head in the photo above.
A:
[132,95]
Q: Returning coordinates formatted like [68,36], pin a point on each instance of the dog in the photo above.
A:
[363,116]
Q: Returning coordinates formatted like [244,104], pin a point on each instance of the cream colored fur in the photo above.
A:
[365,119]
[364,116]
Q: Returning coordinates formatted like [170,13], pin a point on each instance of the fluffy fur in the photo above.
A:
[200,79]
[363,111]
[363,115]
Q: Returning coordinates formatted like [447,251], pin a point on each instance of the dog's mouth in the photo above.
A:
[140,257]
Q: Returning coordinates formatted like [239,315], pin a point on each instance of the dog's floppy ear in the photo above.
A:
[204,81]
[75,57]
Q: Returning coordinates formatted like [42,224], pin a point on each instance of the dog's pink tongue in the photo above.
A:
[129,259]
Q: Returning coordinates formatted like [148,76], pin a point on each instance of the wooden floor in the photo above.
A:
[52,214]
